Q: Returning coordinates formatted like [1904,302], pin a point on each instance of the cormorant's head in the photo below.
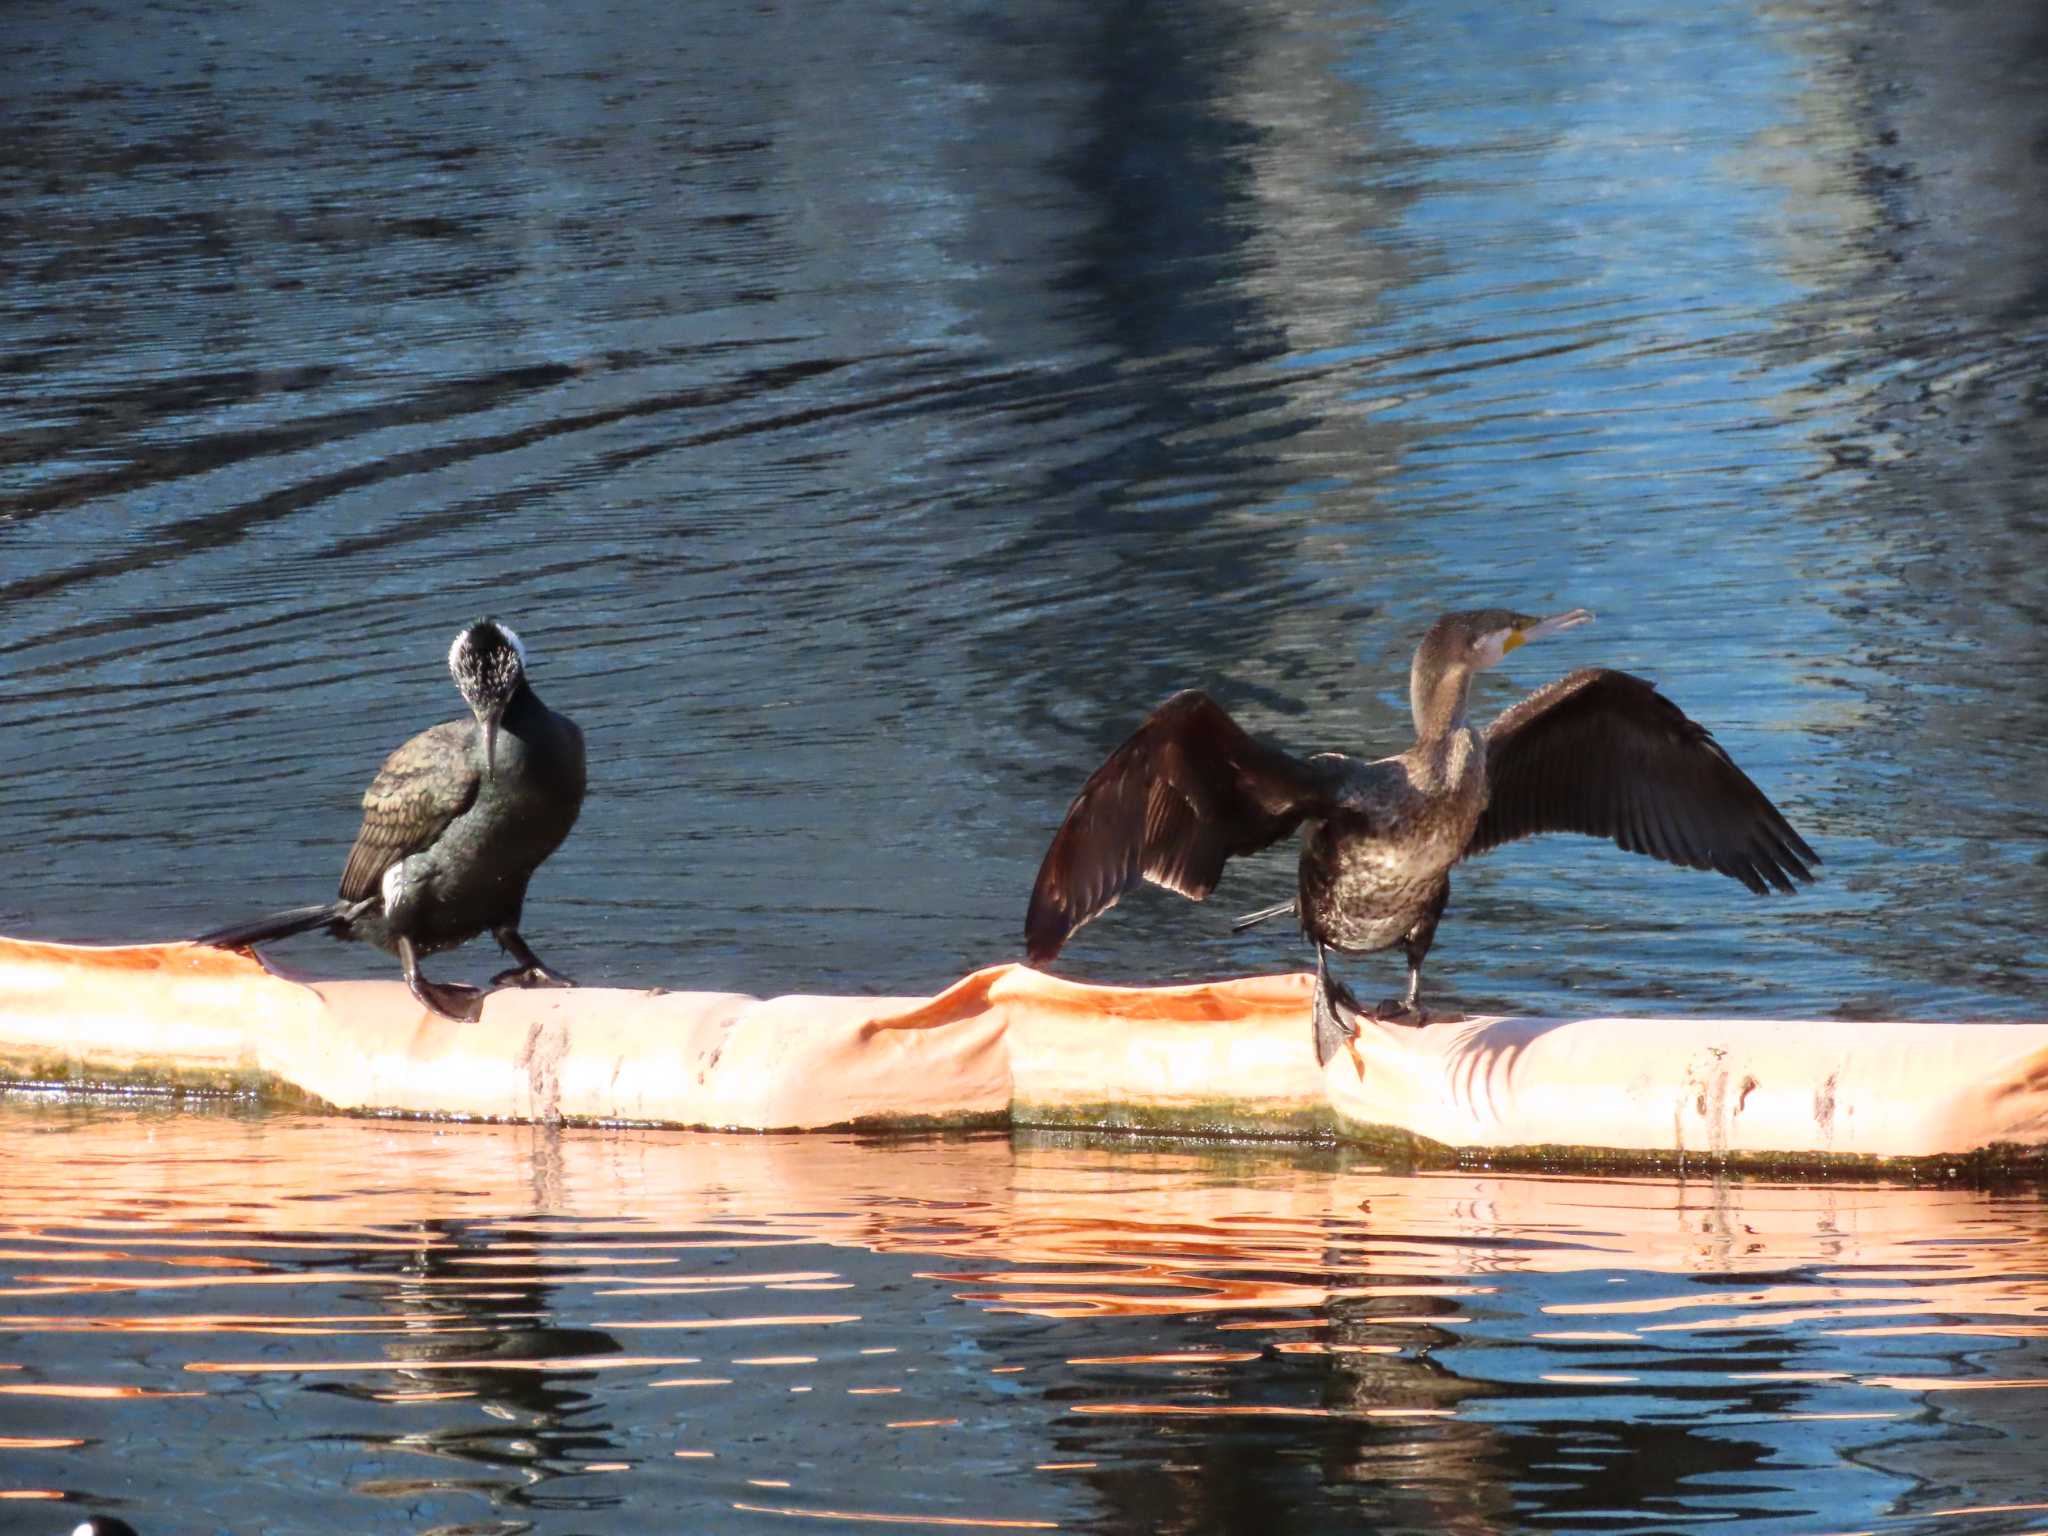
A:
[489,666]
[1459,644]
[1482,637]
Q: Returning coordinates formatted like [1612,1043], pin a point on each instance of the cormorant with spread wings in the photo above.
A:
[1598,752]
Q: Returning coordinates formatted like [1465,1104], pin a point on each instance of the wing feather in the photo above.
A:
[1188,791]
[1603,753]
[421,788]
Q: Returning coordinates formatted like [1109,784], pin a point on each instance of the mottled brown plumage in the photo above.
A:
[1598,752]
[421,788]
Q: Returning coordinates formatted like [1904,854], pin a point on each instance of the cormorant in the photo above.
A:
[454,825]
[1598,752]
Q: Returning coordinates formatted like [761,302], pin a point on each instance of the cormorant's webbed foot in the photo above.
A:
[1398,1010]
[1409,1010]
[535,975]
[529,971]
[450,999]
[1335,1014]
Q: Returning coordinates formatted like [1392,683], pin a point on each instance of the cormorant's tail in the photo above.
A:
[1253,919]
[278,925]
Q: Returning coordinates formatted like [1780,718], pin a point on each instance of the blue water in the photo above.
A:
[867,417]
[867,414]
[241,1323]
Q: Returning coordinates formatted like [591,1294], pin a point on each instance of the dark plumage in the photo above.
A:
[454,825]
[1597,752]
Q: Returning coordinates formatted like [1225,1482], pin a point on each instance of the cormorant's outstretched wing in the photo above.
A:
[1189,790]
[1604,753]
[422,787]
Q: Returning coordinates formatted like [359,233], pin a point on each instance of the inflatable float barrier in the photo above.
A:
[1012,1046]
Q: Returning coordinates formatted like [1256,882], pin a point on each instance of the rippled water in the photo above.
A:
[867,413]
[292,1325]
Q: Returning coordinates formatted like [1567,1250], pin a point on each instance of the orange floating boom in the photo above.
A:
[1010,1045]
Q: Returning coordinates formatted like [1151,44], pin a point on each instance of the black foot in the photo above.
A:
[1398,1010]
[1335,1016]
[531,976]
[451,1000]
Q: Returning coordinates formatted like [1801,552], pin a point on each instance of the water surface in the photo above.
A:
[868,415]
[230,1323]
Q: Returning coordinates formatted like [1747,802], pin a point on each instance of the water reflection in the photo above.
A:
[749,1331]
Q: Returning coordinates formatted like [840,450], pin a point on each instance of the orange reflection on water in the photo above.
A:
[1990,1509]
[798,1320]
[1181,1357]
[429,1363]
[422,1397]
[1321,1347]
[214,1322]
[956,1522]
[1588,1335]
[1944,1331]
[53,1389]
[1203,1410]
[1303,1257]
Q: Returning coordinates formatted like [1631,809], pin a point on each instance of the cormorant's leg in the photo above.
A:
[529,972]
[1335,1014]
[1415,944]
[465,1005]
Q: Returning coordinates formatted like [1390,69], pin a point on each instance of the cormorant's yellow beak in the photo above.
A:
[1550,626]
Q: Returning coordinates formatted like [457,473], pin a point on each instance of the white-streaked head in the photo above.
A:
[484,648]
[488,663]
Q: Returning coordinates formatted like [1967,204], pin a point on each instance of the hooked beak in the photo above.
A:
[488,719]
[1550,626]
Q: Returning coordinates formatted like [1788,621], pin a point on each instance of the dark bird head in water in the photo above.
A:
[489,666]
[1460,644]
[103,1525]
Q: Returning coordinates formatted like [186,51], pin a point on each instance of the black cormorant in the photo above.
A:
[454,825]
[1598,752]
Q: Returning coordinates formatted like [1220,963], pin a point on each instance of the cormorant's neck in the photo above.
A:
[1437,698]
[523,704]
